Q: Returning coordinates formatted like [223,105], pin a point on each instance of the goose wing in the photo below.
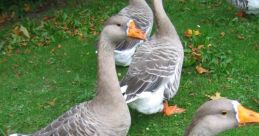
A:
[154,63]
[77,121]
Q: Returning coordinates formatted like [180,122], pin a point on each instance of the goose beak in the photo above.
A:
[246,115]
[134,32]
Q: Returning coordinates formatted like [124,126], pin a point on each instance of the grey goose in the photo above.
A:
[107,114]
[154,74]
[216,116]
[141,13]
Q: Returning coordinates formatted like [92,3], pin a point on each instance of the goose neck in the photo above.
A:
[164,25]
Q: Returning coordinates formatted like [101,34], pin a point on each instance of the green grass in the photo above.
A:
[39,84]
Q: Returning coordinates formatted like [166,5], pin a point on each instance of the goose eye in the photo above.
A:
[224,113]
[118,25]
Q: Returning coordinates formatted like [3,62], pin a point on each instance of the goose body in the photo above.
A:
[249,6]
[216,116]
[107,114]
[154,74]
[141,13]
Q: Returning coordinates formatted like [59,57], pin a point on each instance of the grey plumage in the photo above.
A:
[141,13]
[154,63]
[81,121]
[107,114]
[241,4]
[249,6]
[157,63]
[216,116]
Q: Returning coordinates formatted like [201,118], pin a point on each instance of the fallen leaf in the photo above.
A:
[16,30]
[216,96]
[4,18]
[188,33]
[24,31]
[201,47]
[27,8]
[241,14]
[201,70]
[222,34]
[197,32]
[59,46]
[256,100]
[52,102]
[241,37]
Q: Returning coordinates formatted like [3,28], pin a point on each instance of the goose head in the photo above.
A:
[219,115]
[119,27]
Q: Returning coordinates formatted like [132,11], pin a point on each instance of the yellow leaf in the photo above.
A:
[216,96]
[24,31]
[201,70]
[188,33]
[196,32]
[222,34]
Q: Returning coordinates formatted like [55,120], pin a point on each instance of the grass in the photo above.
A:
[41,80]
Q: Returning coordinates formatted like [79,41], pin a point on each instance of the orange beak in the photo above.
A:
[134,32]
[246,115]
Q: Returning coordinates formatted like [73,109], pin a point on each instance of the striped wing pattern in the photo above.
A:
[155,63]
[78,121]
[241,4]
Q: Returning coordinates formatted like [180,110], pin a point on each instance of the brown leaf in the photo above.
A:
[222,34]
[256,100]
[27,8]
[241,14]
[16,30]
[241,37]
[52,102]
[201,70]
[216,96]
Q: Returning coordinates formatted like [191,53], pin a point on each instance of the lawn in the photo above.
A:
[41,77]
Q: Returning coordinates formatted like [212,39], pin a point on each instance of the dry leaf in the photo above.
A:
[241,37]
[27,8]
[222,34]
[24,31]
[241,14]
[52,102]
[196,32]
[216,96]
[256,100]
[16,30]
[188,33]
[201,70]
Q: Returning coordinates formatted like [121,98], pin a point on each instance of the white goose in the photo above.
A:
[248,6]
[141,13]
[154,74]
[107,114]
[216,116]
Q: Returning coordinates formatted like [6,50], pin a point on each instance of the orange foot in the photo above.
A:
[241,13]
[170,110]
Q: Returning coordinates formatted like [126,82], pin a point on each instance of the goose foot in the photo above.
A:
[170,110]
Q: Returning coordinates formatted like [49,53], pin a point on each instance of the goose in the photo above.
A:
[216,116]
[107,114]
[247,6]
[154,74]
[141,13]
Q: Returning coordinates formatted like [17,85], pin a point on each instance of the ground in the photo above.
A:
[55,68]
